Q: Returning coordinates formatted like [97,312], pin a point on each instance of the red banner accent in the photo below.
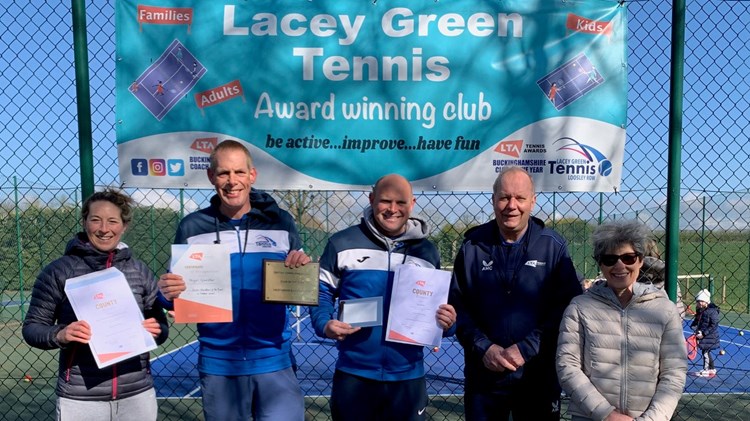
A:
[580,24]
[510,148]
[165,15]
[205,144]
[219,94]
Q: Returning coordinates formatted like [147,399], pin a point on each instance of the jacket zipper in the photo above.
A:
[70,362]
[110,259]
[624,361]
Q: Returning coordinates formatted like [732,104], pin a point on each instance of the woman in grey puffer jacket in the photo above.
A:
[84,391]
[621,353]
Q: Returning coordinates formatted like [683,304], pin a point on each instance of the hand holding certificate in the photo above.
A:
[417,294]
[206,271]
[104,300]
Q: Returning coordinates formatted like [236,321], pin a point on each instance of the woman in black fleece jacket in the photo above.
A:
[123,391]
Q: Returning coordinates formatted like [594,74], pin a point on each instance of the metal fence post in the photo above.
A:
[83,97]
[675,146]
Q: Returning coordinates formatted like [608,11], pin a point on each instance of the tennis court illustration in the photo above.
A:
[571,81]
[167,80]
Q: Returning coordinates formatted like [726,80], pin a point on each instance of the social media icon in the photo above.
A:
[175,167]
[157,167]
[139,166]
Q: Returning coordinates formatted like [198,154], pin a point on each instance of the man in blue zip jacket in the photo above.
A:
[512,280]
[376,379]
[245,366]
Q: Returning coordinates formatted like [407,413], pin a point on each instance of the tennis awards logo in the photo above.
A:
[511,148]
[196,256]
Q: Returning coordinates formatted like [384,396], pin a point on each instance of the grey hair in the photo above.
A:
[612,235]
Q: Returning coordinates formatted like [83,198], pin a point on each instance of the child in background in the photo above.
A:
[706,326]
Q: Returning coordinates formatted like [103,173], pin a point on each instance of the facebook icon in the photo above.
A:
[139,166]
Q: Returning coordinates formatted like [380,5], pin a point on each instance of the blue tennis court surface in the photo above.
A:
[731,368]
[175,373]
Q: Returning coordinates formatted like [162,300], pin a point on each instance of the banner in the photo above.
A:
[333,95]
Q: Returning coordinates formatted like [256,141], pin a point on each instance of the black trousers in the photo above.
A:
[355,398]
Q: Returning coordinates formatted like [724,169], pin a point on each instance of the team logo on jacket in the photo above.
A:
[362,259]
[265,242]
[487,265]
[535,263]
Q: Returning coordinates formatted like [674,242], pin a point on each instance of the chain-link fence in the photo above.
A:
[39,200]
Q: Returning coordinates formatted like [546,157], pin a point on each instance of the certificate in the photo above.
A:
[285,285]
[362,312]
[416,296]
[104,300]
[208,279]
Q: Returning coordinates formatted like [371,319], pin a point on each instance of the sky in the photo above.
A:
[38,127]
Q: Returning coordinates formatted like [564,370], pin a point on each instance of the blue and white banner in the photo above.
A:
[331,95]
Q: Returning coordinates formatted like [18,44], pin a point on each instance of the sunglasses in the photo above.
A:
[611,259]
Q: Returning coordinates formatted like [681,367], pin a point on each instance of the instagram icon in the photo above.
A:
[157,167]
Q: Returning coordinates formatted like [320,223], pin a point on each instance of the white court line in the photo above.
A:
[174,350]
[721,340]
[192,392]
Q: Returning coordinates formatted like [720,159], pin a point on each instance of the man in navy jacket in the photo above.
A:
[511,283]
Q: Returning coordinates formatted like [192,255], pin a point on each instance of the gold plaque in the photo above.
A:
[283,285]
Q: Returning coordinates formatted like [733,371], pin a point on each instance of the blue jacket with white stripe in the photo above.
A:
[358,262]
[259,339]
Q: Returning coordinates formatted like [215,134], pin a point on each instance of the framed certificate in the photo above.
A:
[362,312]
[285,285]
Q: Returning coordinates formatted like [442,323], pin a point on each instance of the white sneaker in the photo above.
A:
[712,372]
[703,373]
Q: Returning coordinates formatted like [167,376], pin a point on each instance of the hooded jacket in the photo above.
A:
[632,359]
[707,322]
[512,302]
[50,311]
[258,340]
[359,262]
